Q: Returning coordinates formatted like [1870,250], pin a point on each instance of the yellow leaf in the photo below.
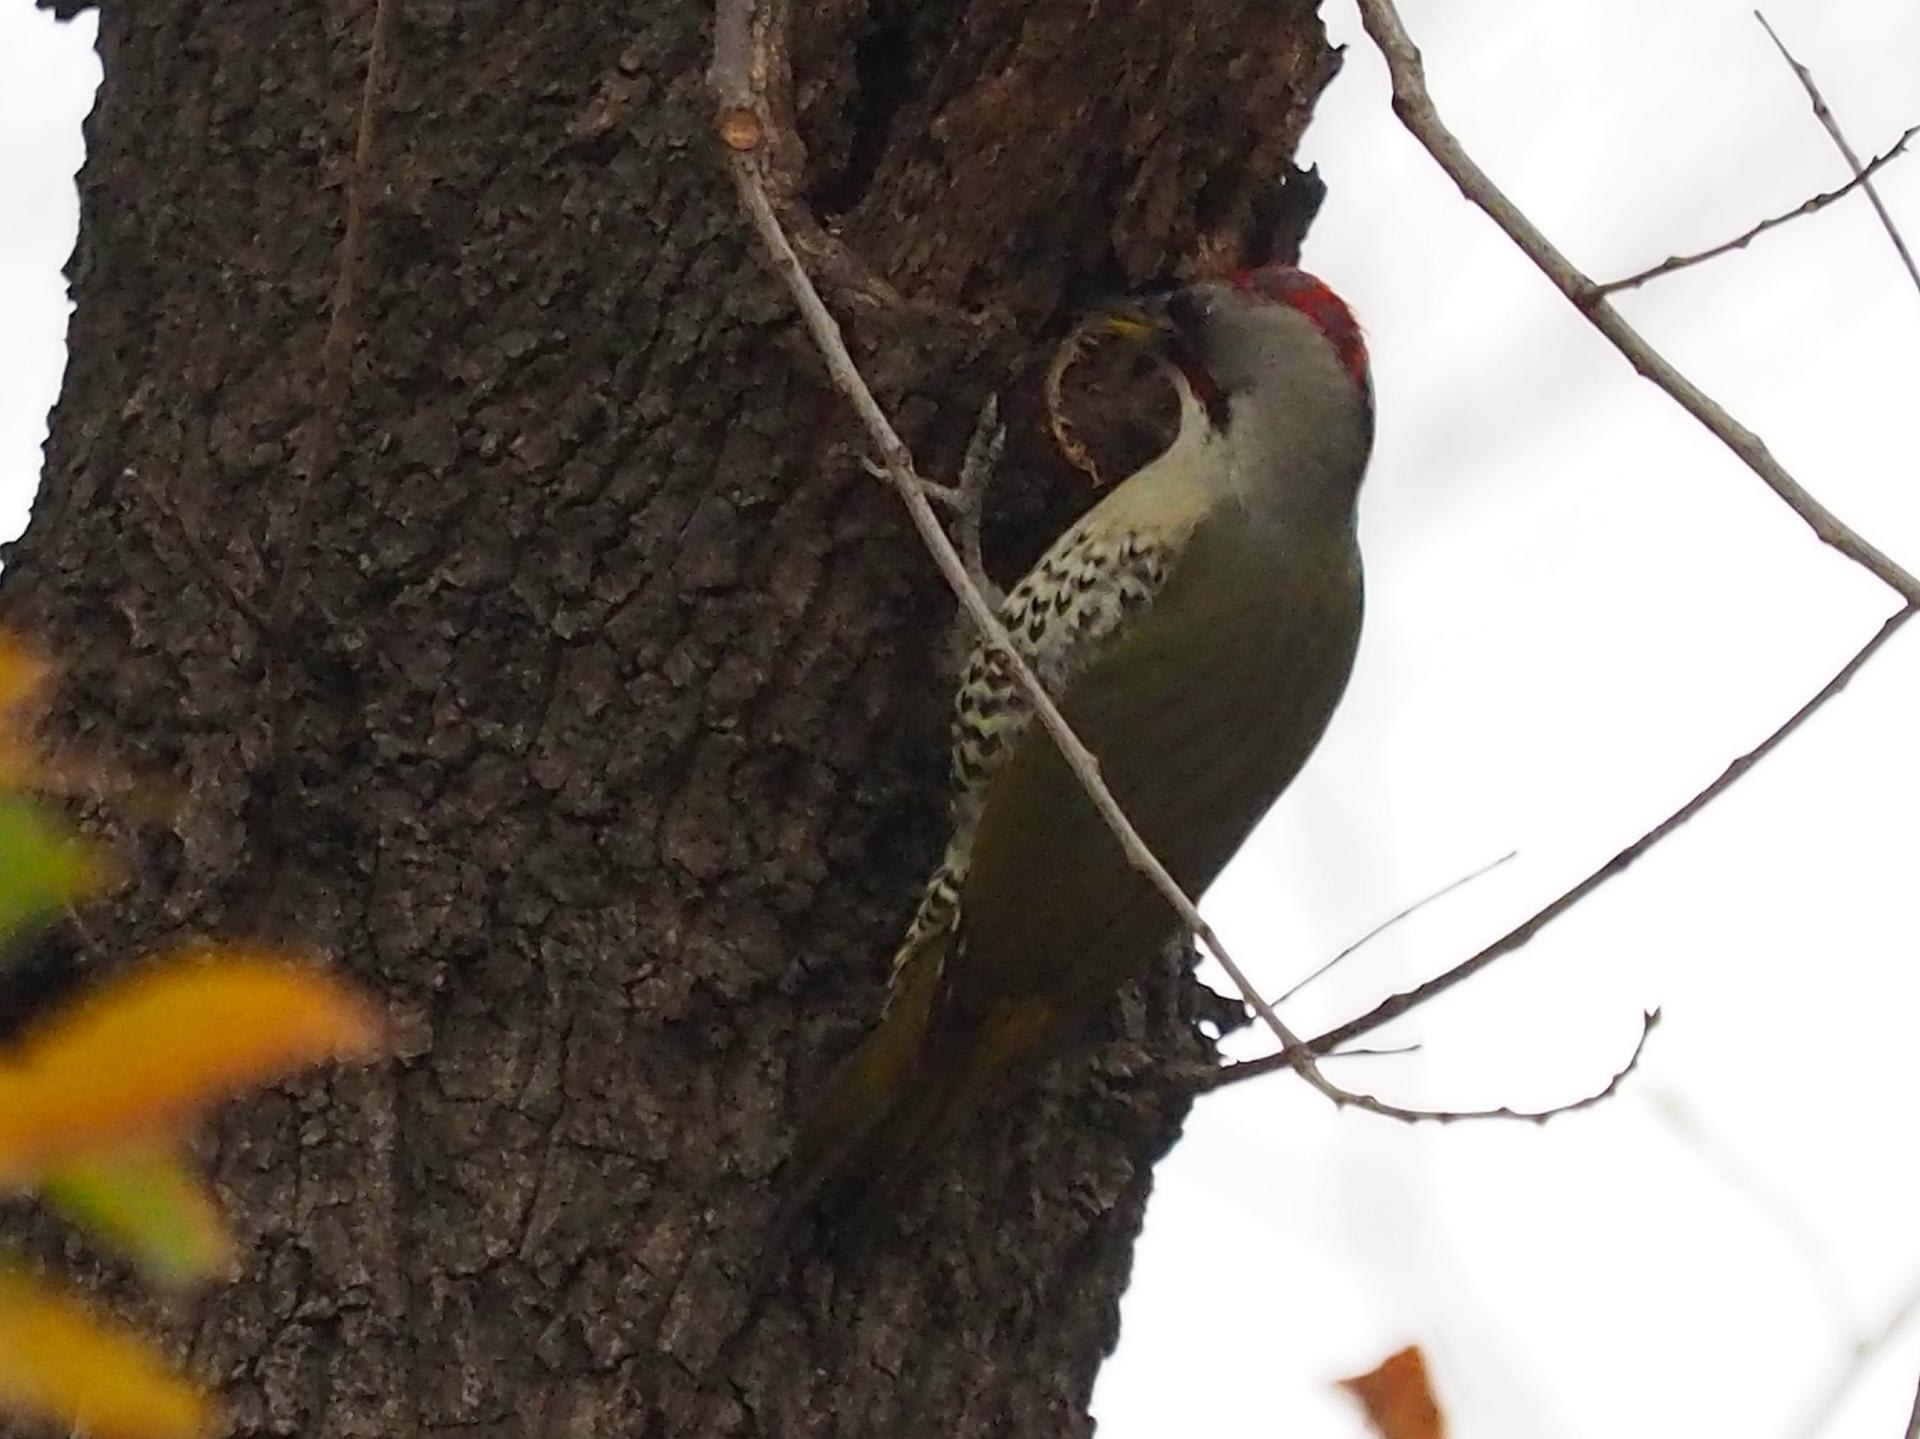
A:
[1399,1398]
[58,1362]
[136,1060]
[151,1208]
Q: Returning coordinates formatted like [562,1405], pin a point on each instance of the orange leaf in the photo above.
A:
[150,1207]
[59,1362]
[136,1060]
[22,676]
[1398,1397]
[22,672]
[27,764]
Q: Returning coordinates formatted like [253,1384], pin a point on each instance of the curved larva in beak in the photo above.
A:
[1142,320]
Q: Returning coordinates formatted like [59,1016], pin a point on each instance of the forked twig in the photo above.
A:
[1861,180]
[1255,1068]
[1396,1005]
[1391,920]
[1824,114]
[1399,1004]
[1414,106]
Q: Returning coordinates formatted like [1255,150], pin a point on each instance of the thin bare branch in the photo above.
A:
[1399,1004]
[322,445]
[1396,1005]
[965,499]
[1253,1069]
[189,536]
[976,473]
[1388,923]
[1740,242]
[1859,1355]
[1744,1180]
[288,541]
[1913,1420]
[1825,116]
[1416,111]
[1385,1051]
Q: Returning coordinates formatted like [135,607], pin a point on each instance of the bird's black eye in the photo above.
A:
[1187,312]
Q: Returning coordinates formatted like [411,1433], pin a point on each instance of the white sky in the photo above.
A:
[1580,609]
[47,75]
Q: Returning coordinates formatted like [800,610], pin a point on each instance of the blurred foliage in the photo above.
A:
[100,1098]
[1398,1397]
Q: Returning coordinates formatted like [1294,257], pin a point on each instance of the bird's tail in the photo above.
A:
[971,1070]
[912,1084]
[844,1139]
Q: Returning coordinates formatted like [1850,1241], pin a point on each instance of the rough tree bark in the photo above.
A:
[598,727]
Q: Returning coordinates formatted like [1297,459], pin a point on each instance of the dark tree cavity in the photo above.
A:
[598,726]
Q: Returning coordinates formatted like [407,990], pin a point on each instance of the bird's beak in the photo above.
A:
[1142,320]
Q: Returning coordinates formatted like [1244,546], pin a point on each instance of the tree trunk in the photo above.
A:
[470,533]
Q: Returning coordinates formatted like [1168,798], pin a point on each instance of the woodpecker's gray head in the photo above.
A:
[1230,337]
[1274,362]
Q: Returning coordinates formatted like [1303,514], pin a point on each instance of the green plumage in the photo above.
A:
[1197,628]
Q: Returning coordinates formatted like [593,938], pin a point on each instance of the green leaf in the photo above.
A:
[151,1208]
[44,865]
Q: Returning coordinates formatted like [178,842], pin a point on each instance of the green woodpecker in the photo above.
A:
[1196,627]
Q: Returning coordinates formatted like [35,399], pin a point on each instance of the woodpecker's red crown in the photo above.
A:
[1306,293]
